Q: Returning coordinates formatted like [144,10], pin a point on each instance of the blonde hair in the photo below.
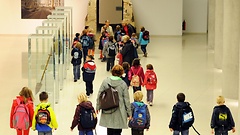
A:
[138,96]
[82,97]
[220,100]
[125,38]
[26,93]
[78,45]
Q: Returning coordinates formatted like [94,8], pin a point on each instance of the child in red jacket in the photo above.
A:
[25,97]
[150,82]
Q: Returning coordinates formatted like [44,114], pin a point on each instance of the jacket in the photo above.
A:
[89,69]
[147,114]
[40,127]
[76,56]
[117,119]
[215,115]
[125,77]
[76,118]
[105,49]
[141,40]
[145,82]
[174,122]
[128,52]
[30,108]
[136,70]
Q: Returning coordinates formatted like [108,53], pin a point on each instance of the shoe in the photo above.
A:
[146,54]
[150,104]
[75,80]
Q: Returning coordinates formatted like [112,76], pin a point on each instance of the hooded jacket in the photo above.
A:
[89,69]
[41,127]
[145,82]
[76,56]
[76,118]
[174,122]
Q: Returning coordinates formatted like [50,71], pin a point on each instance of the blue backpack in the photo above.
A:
[139,119]
[85,40]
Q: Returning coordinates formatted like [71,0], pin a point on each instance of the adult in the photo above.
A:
[116,120]
[143,42]
[127,50]
[108,28]
[127,28]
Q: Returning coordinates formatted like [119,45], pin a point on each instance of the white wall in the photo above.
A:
[195,13]
[11,22]
[160,17]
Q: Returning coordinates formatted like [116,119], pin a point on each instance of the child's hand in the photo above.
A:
[233,130]
[212,131]
[71,129]
[147,129]
[171,129]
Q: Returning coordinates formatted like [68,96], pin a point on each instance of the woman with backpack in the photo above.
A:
[110,51]
[22,103]
[144,40]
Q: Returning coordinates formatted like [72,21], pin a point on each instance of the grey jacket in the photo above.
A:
[105,49]
[117,119]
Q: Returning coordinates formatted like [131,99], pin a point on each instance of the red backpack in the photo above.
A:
[21,118]
[151,78]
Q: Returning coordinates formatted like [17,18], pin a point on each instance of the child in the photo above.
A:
[137,127]
[110,50]
[102,41]
[76,54]
[150,82]
[89,69]
[124,77]
[91,47]
[222,120]
[84,128]
[25,97]
[134,40]
[118,34]
[44,117]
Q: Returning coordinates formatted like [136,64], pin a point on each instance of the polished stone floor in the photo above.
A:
[182,63]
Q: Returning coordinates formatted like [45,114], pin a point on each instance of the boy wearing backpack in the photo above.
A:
[85,41]
[182,116]
[85,116]
[150,82]
[22,112]
[140,115]
[144,40]
[110,51]
[76,61]
[44,119]
[222,120]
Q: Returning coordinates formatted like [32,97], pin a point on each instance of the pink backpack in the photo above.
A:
[21,118]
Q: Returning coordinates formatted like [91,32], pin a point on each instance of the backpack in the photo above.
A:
[135,81]
[88,118]
[111,49]
[21,118]
[145,35]
[85,40]
[151,78]
[139,118]
[43,116]
[186,117]
[109,98]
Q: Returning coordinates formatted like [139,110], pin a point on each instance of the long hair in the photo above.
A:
[26,93]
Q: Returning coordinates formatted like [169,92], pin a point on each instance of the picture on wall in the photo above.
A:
[38,9]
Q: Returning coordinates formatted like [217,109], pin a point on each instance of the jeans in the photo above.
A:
[85,132]
[185,132]
[221,132]
[137,131]
[76,72]
[150,95]
[85,53]
[144,48]
[136,89]
[111,131]
[44,132]
[110,63]
[89,87]
[22,132]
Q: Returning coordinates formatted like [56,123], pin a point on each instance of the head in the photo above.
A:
[78,45]
[43,96]
[134,35]
[77,34]
[86,27]
[90,30]
[124,23]
[107,22]
[118,28]
[84,32]
[82,97]
[125,65]
[149,66]
[180,97]
[110,38]
[26,93]
[138,96]
[136,62]
[142,29]
[220,100]
[89,57]
[117,70]
[125,38]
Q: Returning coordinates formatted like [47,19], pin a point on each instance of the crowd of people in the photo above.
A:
[119,46]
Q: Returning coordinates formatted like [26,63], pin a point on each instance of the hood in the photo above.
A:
[87,105]
[43,105]
[114,81]
[90,64]
[149,71]
[220,106]
[182,104]
[139,103]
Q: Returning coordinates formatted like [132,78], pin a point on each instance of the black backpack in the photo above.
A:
[88,118]
[186,117]
[111,49]
[145,35]
[43,116]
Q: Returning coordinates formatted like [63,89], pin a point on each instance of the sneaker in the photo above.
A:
[150,104]
[75,80]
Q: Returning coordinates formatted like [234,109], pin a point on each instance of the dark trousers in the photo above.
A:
[110,63]
[137,131]
[221,132]
[144,48]
[89,87]
[85,53]
[111,131]
[136,89]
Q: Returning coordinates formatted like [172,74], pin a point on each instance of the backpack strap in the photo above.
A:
[137,70]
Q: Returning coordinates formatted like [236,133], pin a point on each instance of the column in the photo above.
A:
[211,23]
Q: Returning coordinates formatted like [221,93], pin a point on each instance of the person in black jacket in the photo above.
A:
[127,50]
[222,120]
[76,54]
[175,125]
